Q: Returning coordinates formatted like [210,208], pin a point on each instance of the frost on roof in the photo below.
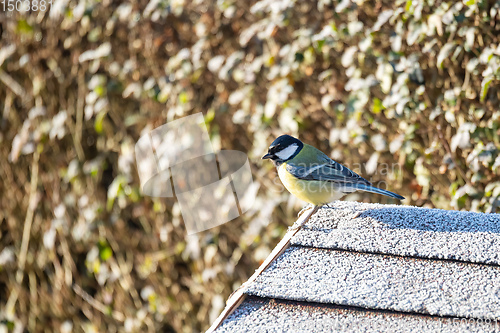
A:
[268,315]
[405,231]
[353,256]
[374,281]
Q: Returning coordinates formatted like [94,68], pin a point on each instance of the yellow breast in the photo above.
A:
[314,192]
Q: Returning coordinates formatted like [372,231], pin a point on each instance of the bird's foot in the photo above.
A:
[329,205]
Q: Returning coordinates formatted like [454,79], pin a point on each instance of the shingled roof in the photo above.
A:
[357,266]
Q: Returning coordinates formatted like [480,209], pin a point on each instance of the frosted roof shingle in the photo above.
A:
[273,315]
[374,281]
[404,231]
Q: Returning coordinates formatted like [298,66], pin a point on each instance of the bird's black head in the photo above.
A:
[282,149]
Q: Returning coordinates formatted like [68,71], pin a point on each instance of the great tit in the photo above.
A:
[312,176]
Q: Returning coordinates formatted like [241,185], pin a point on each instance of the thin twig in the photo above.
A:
[33,311]
[80,104]
[32,203]
[97,305]
[12,84]
[120,264]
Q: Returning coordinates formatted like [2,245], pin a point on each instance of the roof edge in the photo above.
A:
[238,296]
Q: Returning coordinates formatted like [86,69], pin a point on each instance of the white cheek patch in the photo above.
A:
[287,152]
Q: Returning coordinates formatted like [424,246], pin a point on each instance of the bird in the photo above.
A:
[312,176]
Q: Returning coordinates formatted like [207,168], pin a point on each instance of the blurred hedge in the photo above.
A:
[406,93]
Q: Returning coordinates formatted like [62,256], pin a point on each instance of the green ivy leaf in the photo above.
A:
[105,251]
[485,84]
[98,123]
[377,106]
[24,27]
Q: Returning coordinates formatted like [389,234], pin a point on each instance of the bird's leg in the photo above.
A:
[299,223]
[306,208]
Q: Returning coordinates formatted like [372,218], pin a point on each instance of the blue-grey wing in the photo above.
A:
[330,171]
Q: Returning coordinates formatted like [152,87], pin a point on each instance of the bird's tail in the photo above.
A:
[368,188]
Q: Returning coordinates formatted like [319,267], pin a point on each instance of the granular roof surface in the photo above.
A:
[372,267]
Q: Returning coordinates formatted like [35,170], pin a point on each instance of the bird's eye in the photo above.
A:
[274,149]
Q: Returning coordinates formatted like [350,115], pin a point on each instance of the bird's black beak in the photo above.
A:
[265,157]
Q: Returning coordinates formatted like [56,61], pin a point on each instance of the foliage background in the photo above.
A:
[404,92]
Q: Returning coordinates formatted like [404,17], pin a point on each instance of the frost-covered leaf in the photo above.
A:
[462,138]
[445,53]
